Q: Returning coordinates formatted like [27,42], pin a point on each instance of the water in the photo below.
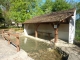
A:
[30,45]
[38,50]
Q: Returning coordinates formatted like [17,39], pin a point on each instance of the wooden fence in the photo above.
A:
[12,38]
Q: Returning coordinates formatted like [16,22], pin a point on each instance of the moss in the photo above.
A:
[45,55]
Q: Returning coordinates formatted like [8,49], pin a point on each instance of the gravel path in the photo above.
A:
[8,52]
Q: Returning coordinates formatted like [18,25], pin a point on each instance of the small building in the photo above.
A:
[59,24]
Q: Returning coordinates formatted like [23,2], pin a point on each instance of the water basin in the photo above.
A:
[38,50]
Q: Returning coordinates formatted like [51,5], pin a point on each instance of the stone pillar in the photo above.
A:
[26,29]
[72,28]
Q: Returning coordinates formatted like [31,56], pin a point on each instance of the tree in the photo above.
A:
[20,10]
[36,10]
[47,6]
[78,10]
[4,6]
[60,5]
[55,5]
[1,18]
[78,22]
[5,3]
[17,10]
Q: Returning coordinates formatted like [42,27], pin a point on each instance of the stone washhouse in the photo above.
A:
[59,25]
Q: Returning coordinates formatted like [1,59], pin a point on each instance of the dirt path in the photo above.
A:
[8,52]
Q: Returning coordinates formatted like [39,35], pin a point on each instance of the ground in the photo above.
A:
[8,52]
[71,49]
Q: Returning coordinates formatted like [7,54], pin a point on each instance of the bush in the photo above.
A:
[77,36]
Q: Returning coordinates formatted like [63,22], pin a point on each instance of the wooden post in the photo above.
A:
[3,34]
[8,38]
[17,43]
[36,33]
[56,35]
[55,27]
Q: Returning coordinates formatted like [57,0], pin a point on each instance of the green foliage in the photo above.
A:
[1,14]
[77,36]
[5,3]
[0,11]
[21,10]
[60,5]
[47,6]
[77,24]
[1,17]
[17,10]
[78,8]
[56,5]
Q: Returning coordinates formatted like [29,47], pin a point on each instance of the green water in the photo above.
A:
[38,50]
[30,45]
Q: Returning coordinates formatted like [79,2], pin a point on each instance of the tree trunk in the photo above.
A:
[17,25]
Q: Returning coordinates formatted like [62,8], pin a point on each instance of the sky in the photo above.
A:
[77,0]
[68,0]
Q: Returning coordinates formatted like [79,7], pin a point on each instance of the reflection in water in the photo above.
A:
[32,45]
[25,40]
[38,50]
[36,45]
